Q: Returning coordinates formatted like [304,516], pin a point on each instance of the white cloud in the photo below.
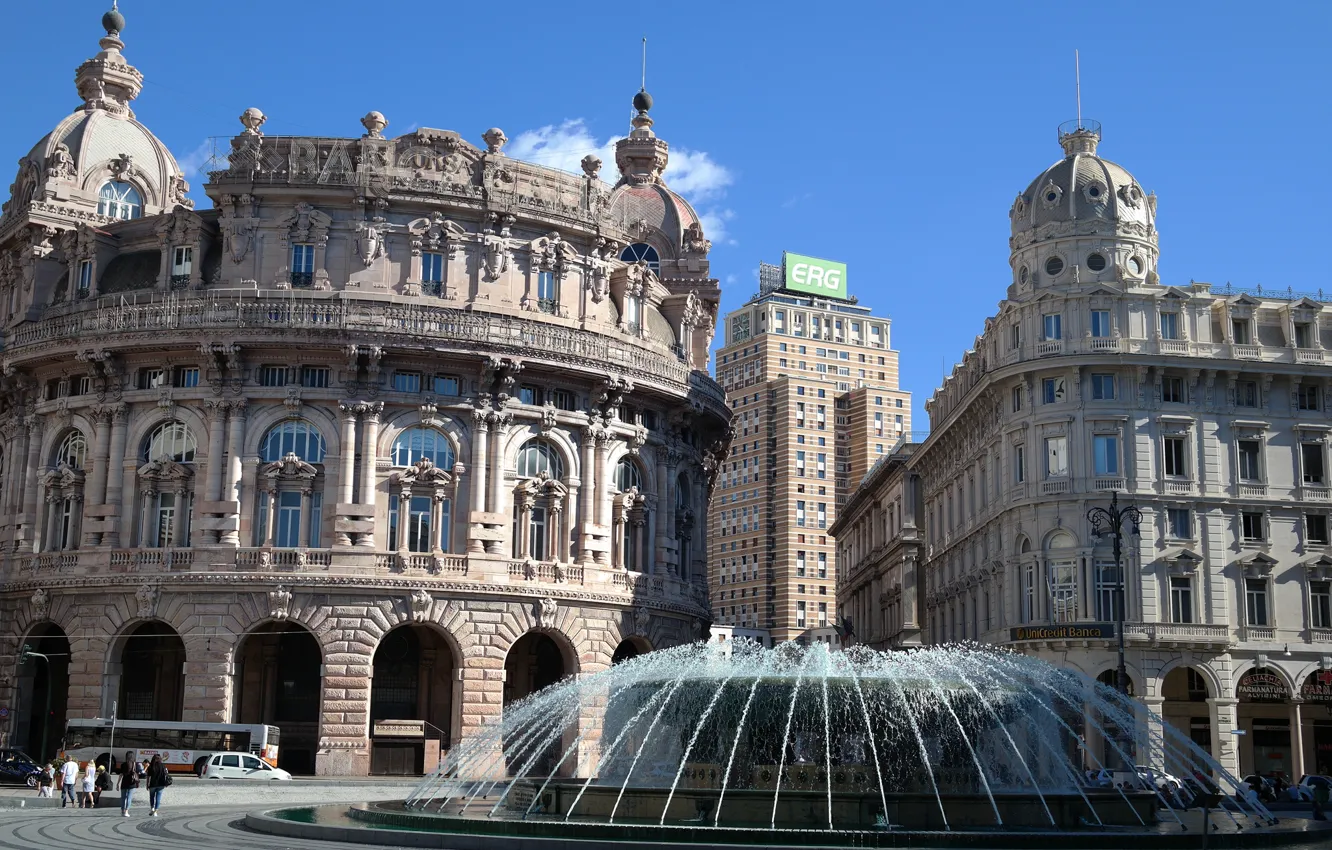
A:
[694,174]
[194,163]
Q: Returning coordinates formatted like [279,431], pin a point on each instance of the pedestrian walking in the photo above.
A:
[158,780]
[69,774]
[89,786]
[1322,792]
[130,774]
[46,782]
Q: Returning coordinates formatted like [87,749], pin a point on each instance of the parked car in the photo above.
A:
[241,766]
[1304,792]
[1159,778]
[1259,786]
[18,766]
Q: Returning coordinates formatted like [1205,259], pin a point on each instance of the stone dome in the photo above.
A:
[1085,216]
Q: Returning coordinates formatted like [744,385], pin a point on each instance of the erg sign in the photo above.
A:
[814,276]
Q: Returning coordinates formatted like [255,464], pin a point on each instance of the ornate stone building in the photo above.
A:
[401,428]
[1208,410]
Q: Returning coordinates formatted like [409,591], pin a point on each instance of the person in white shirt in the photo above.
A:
[69,774]
[86,799]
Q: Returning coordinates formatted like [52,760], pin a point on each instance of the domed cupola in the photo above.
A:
[99,163]
[1083,220]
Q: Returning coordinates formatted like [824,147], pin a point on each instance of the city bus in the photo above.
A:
[184,747]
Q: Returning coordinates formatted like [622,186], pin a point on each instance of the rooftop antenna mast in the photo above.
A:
[1077,79]
[643,87]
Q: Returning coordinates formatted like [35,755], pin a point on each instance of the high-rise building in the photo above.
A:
[811,379]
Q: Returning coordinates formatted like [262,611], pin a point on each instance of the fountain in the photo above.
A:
[741,744]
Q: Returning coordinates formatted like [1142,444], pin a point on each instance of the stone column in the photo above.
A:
[217,423]
[94,487]
[602,501]
[48,541]
[178,519]
[231,487]
[1296,739]
[1224,717]
[146,516]
[75,520]
[270,529]
[587,489]
[115,474]
[659,516]
[437,520]
[480,440]
[499,428]
[1155,739]
[369,458]
[668,509]
[404,519]
[307,517]
[32,471]
[344,746]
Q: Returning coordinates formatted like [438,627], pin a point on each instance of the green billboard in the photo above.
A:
[814,276]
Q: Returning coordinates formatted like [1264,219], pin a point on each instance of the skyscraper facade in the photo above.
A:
[812,382]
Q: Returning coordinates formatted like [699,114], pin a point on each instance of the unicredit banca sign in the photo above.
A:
[814,276]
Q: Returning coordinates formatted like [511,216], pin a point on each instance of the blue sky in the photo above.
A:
[892,136]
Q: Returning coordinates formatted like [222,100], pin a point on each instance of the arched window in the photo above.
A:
[165,485]
[295,436]
[73,450]
[642,252]
[415,444]
[630,516]
[684,524]
[538,504]
[119,200]
[291,498]
[170,441]
[537,457]
[627,476]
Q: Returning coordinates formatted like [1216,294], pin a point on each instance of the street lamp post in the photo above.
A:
[1112,522]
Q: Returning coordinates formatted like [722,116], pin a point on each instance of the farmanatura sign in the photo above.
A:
[1318,687]
[814,276]
[1068,631]
[1262,686]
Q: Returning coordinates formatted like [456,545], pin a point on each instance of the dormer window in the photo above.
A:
[182,263]
[85,277]
[633,312]
[302,265]
[641,252]
[1239,331]
[119,200]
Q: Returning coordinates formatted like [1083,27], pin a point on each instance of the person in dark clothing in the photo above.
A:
[130,774]
[158,780]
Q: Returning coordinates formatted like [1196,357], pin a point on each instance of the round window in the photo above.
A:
[1135,265]
[1022,275]
[1054,266]
[1052,196]
[1096,263]
[1094,191]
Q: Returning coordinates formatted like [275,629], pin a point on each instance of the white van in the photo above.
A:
[241,766]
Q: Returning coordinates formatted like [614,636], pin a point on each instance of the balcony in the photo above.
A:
[1173,346]
[1049,347]
[1323,636]
[1177,634]
[1251,491]
[1309,355]
[1175,487]
[1101,344]
[1246,352]
[1266,634]
[1109,483]
[1056,487]
[1315,493]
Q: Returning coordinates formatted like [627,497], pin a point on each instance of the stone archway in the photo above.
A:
[42,692]
[413,681]
[630,647]
[278,682]
[535,661]
[1184,694]
[152,673]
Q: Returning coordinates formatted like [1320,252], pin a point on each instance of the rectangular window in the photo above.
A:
[1307,397]
[823,515]
[1063,591]
[1103,387]
[1172,389]
[83,385]
[182,261]
[779,324]
[1056,457]
[1248,453]
[187,376]
[823,565]
[1181,599]
[800,514]
[1019,464]
[85,276]
[1315,529]
[272,376]
[1251,525]
[1052,390]
[800,563]
[1304,335]
[1052,326]
[432,268]
[800,614]
[151,378]
[1017,398]
[548,292]
[1174,450]
[529,394]
[1015,337]
[1311,463]
[800,464]
[1105,451]
[1028,592]
[1320,604]
[315,377]
[1239,331]
[1180,523]
[407,382]
[1100,323]
[1246,394]
[823,614]
[1107,591]
[302,265]
[1169,326]
[1255,602]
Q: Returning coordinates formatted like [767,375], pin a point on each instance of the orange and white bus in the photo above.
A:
[184,747]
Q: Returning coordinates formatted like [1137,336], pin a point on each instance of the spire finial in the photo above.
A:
[1077,83]
[643,87]
[113,22]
